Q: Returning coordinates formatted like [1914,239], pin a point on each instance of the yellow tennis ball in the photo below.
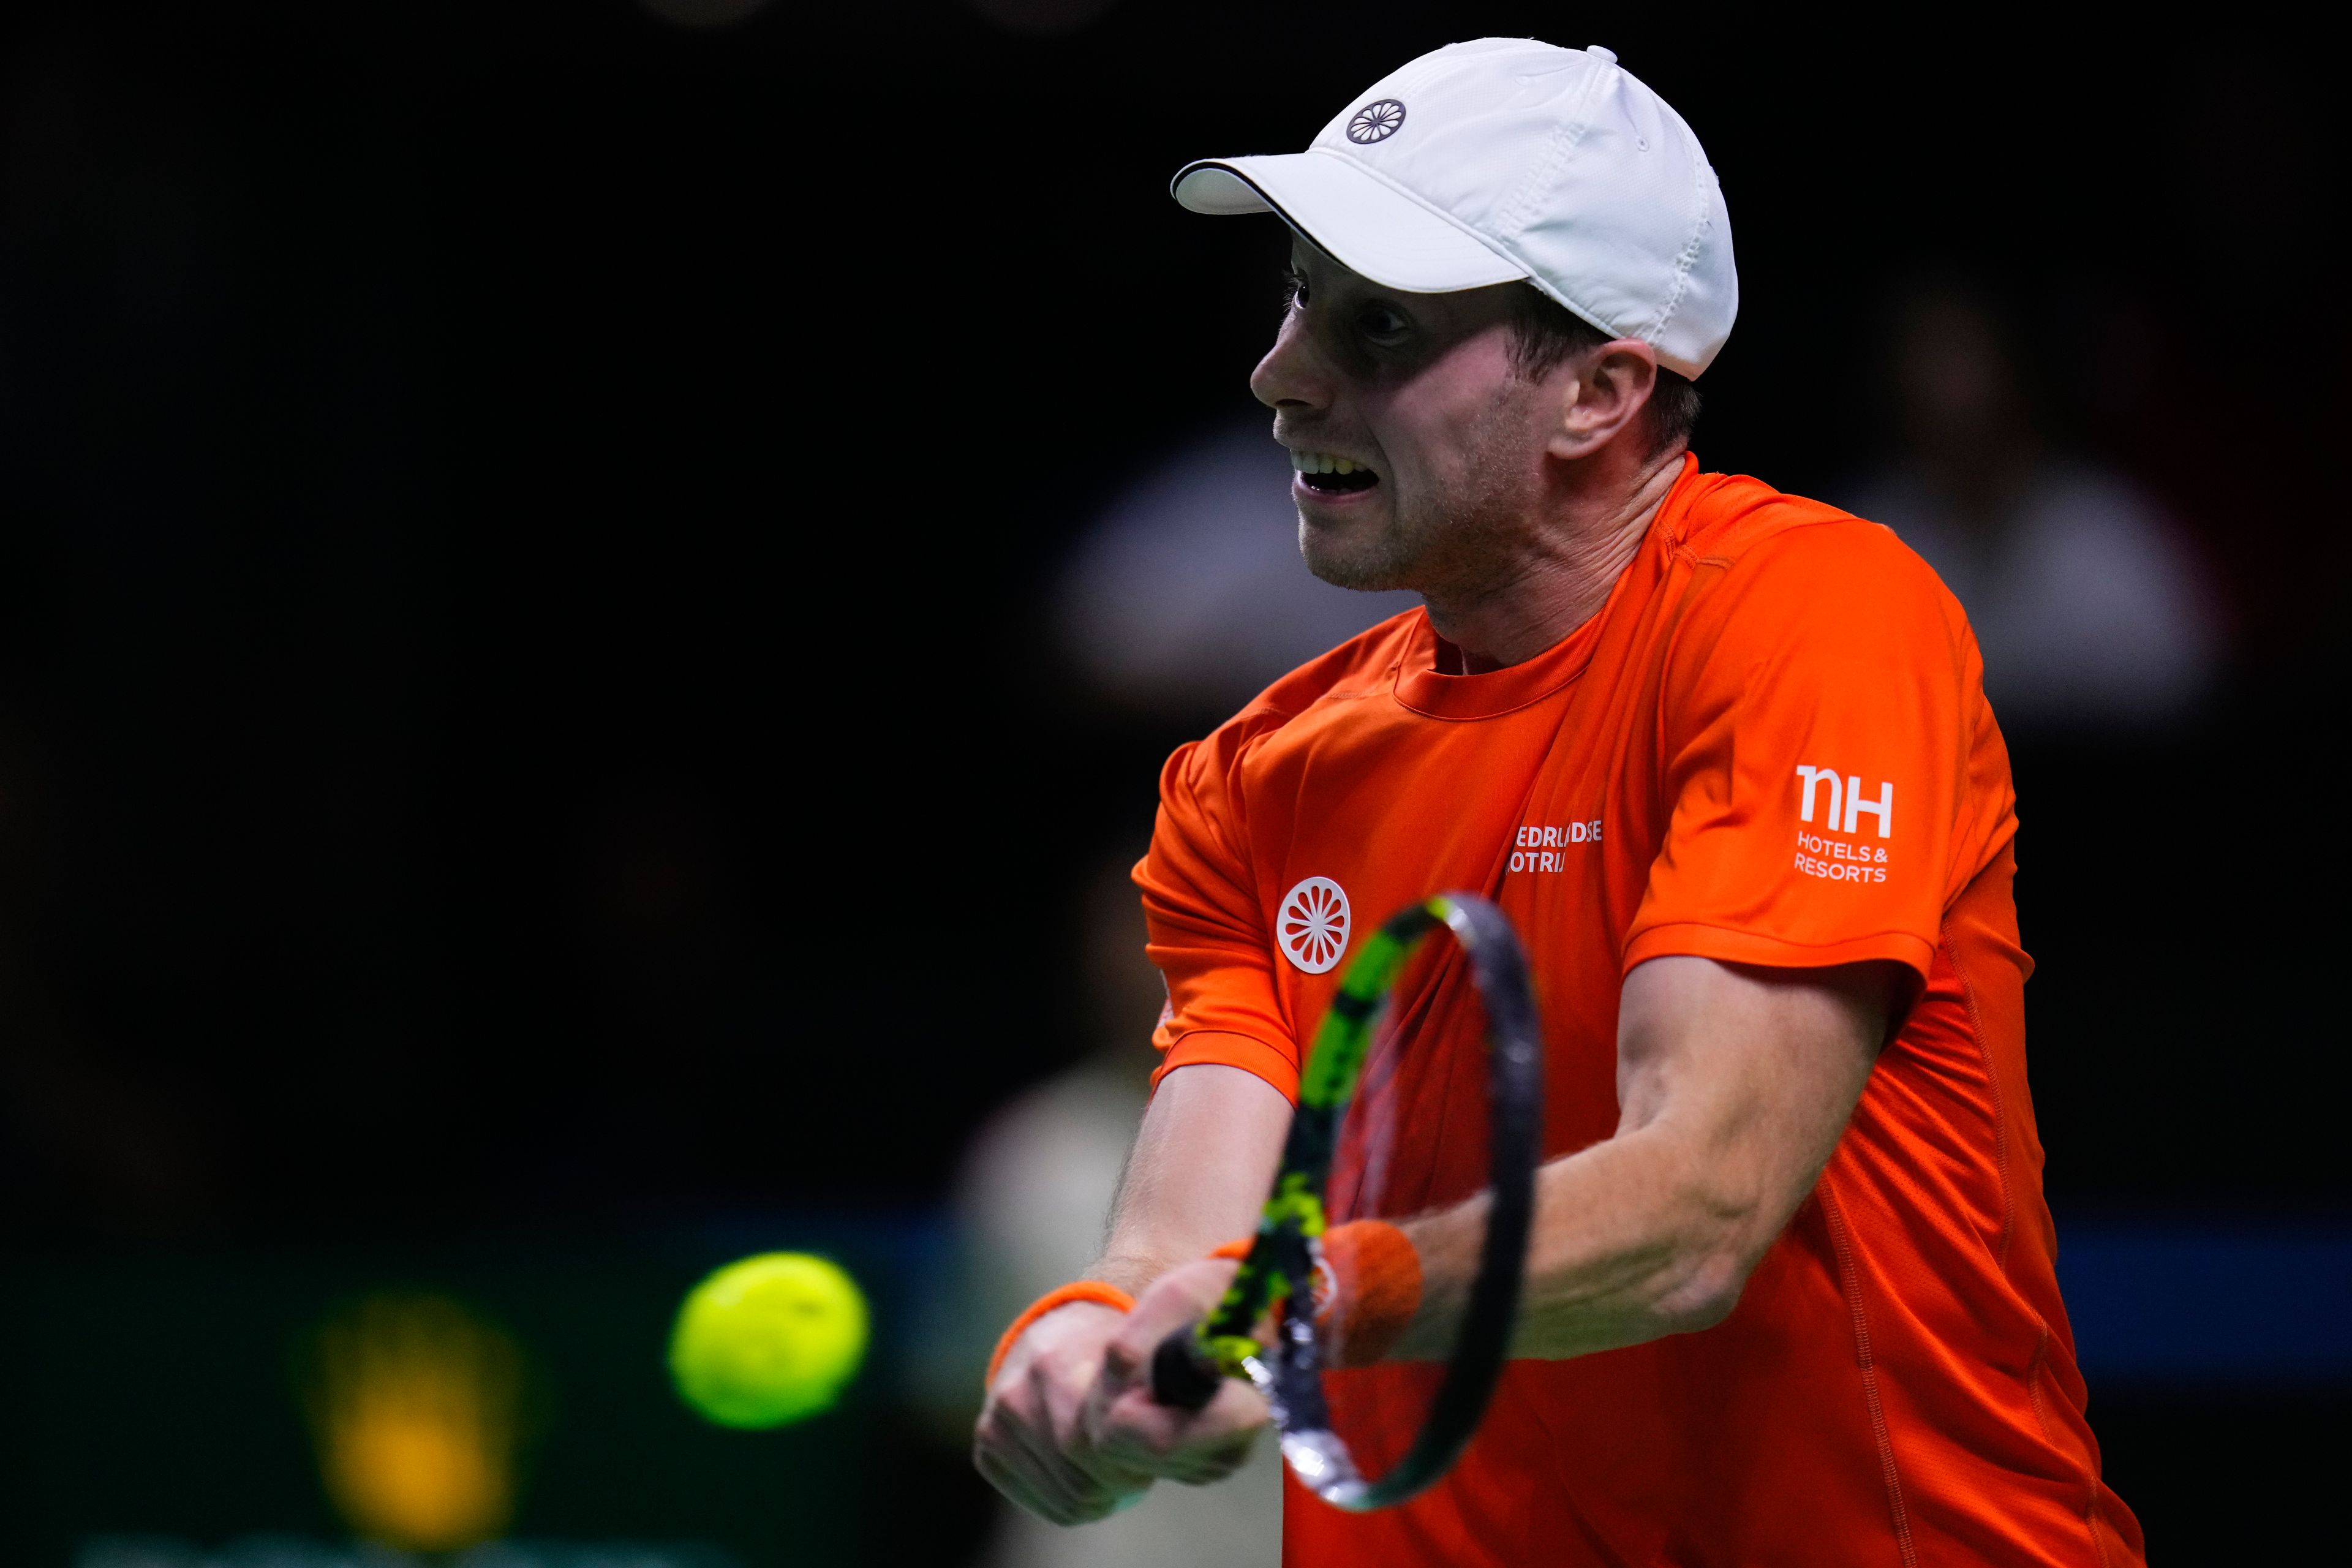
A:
[769,1340]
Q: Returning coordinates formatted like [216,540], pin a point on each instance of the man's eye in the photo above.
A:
[1294,290]
[1380,322]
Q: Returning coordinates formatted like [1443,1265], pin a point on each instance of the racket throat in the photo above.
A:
[1322,1464]
[1290,1379]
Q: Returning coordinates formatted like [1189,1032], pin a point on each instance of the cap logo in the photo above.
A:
[1376,121]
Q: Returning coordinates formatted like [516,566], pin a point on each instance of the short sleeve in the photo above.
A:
[1817,707]
[1207,925]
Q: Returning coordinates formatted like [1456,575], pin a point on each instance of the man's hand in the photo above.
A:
[1032,1442]
[1128,1426]
[1069,1431]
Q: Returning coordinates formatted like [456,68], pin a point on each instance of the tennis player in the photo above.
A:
[1724,756]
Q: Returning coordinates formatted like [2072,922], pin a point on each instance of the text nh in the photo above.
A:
[1850,792]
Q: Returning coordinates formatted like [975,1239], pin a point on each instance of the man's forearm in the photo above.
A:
[1622,1252]
[1200,1169]
[1735,1085]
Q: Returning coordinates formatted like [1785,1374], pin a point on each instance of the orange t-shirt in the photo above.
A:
[1771,746]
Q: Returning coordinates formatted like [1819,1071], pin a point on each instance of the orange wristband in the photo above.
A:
[1367,1292]
[1060,1296]
[1373,1290]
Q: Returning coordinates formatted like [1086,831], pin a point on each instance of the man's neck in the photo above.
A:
[1566,576]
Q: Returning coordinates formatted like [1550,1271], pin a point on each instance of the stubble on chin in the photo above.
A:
[1367,559]
[1459,550]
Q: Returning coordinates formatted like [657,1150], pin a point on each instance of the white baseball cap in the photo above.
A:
[1505,159]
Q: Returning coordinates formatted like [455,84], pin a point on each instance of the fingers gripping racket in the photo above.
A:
[1281,1263]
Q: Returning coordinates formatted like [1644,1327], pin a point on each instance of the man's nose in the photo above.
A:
[1292,376]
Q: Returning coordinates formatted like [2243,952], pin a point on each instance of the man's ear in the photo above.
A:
[1611,385]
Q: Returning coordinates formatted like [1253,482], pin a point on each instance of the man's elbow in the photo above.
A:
[1717,1252]
[1703,1291]
[1681,1281]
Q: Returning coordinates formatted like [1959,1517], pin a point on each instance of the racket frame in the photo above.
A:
[1286,1250]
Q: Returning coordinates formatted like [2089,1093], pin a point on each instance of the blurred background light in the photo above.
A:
[292,1551]
[415,1405]
[2203,1305]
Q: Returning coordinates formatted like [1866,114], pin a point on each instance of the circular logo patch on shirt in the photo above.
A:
[1376,121]
[1312,926]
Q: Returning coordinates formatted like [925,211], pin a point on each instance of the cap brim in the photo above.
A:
[1364,224]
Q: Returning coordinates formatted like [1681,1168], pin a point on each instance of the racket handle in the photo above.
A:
[1183,1375]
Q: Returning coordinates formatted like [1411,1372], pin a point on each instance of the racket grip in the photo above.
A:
[1183,1375]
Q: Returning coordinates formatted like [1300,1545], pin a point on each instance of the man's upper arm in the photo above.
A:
[1221,1102]
[1750,1075]
[1207,923]
[1817,728]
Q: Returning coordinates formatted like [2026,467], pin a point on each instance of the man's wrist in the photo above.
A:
[1373,1290]
[1367,1291]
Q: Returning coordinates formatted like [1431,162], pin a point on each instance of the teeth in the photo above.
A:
[1324,463]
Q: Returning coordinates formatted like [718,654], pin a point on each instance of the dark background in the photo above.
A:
[524,534]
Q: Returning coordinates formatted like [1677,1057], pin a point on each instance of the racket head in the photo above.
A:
[1401,1114]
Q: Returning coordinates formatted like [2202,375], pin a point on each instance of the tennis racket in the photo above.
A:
[1338,1425]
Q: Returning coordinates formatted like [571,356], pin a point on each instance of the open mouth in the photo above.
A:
[1331,476]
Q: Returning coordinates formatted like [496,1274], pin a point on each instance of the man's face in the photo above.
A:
[1416,395]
